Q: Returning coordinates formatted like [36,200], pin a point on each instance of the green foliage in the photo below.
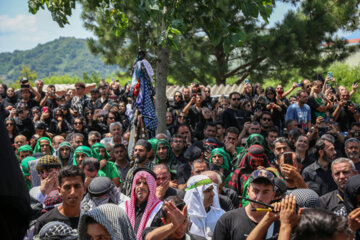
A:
[27,73]
[62,56]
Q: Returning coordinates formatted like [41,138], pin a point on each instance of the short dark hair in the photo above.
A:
[231,94]
[272,129]
[209,124]
[319,224]
[118,145]
[70,171]
[91,162]
[80,84]
[234,130]
[267,113]
[300,92]
[177,136]
[177,201]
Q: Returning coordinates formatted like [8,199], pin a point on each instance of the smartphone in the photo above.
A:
[299,84]
[356,82]
[246,81]
[45,109]
[330,75]
[288,158]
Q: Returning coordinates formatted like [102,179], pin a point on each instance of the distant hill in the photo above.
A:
[61,56]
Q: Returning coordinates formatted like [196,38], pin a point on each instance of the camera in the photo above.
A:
[24,80]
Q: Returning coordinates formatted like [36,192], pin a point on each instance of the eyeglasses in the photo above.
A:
[206,91]
[9,124]
[181,116]
[89,113]
[77,123]
[236,99]
[95,140]
[77,89]
[266,119]
[177,96]
[309,86]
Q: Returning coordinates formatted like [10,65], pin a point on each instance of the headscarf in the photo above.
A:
[167,144]
[37,146]
[113,218]
[152,201]
[82,149]
[153,142]
[24,148]
[57,230]
[254,138]
[254,152]
[65,144]
[25,169]
[95,151]
[224,154]
[194,199]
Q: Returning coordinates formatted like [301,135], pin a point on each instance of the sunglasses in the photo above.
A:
[89,113]
[77,123]
[266,119]
[9,124]
[236,99]
[95,140]
[181,117]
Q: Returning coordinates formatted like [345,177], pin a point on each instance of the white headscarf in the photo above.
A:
[203,222]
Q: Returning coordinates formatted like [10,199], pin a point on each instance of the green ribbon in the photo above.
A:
[199,183]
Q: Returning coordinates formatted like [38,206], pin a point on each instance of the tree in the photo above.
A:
[159,25]
[27,73]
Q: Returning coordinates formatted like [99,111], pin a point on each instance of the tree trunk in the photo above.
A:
[162,66]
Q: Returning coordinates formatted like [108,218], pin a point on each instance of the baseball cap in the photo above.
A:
[262,174]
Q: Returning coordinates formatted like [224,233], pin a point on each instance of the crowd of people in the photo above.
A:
[255,164]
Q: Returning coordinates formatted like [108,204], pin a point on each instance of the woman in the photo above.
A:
[10,99]
[247,91]
[11,129]
[3,90]
[301,150]
[58,124]
[123,118]
[275,106]
[170,123]
[178,104]
[112,117]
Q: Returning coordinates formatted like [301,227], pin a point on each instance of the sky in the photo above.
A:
[20,30]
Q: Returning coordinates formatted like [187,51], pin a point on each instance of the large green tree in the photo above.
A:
[157,26]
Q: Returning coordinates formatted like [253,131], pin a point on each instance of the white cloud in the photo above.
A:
[19,23]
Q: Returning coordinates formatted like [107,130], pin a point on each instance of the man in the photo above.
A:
[65,153]
[79,101]
[352,151]
[186,95]
[230,142]
[230,115]
[44,146]
[281,145]
[199,166]
[176,222]
[116,131]
[50,98]
[108,167]
[290,170]
[184,130]
[19,141]
[270,137]
[142,151]
[103,100]
[224,201]
[164,155]
[71,189]
[143,205]
[48,168]
[318,175]
[342,169]
[24,124]
[77,140]
[265,122]
[39,87]
[163,179]
[204,210]
[26,91]
[238,223]
[121,159]
[23,152]
[57,140]
[177,144]
[220,131]
[184,171]
[300,111]
[255,127]
[94,137]
[346,112]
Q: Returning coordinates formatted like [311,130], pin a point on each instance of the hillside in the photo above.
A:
[61,56]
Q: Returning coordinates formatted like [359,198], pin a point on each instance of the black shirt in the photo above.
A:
[236,225]
[55,215]
[334,202]
[318,179]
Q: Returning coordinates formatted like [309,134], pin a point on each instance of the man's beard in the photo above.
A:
[139,159]
[327,158]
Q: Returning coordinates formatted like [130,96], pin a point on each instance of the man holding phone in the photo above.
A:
[289,169]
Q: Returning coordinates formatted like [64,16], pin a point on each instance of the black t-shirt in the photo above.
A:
[236,225]
[54,215]
[183,173]
[313,106]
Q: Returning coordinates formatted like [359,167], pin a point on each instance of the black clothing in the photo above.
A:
[236,225]
[183,173]
[55,215]
[100,105]
[318,179]
[313,106]
[346,117]
[191,236]
[308,160]
[139,212]
[174,192]
[334,202]
[25,127]
[234,118]
[230,193]
[225,203]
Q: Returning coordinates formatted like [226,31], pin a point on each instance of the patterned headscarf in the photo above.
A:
[152,201]
[113,218]
[37,146]
[95,151]
[83,149]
